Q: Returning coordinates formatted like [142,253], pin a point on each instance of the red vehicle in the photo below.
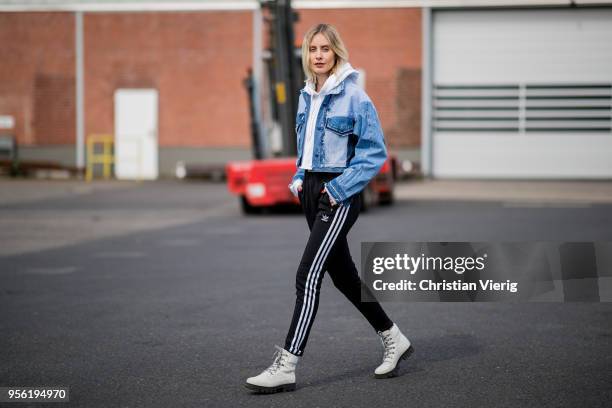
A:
[261,184]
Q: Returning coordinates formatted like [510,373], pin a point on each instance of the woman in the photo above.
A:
[340,149]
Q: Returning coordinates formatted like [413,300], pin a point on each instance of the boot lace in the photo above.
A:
[279,359]
[389,346]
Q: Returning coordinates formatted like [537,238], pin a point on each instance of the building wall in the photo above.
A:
[196,61]
[386,43]
[37,83]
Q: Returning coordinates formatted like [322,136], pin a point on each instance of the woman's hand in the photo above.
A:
[331,199]
[296,187]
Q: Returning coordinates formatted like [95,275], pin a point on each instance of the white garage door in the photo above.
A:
[522,93]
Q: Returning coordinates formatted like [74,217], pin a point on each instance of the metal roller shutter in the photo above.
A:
[522,93]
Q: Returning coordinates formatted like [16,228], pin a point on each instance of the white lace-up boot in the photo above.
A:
[397,347]
[280,376]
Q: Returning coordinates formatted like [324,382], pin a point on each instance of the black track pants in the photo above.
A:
[327,250]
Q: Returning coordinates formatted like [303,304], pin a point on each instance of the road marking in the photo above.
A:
[180,242]
[544,204]
[120,255]
[62,270]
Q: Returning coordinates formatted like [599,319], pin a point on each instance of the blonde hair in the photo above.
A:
[336,43]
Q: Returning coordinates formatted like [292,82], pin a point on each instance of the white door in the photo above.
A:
[522,93]
[136,134]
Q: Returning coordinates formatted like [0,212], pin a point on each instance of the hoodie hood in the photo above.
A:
[333,81]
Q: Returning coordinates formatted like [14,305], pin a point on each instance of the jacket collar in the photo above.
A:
[343,74]
[338,89]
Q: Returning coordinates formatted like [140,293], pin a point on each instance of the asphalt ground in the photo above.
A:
[163,295]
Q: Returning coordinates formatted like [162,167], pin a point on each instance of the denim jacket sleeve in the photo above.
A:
[299,174]
[370,155]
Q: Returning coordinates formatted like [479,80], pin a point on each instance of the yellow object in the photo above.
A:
[106,158]
[281,95]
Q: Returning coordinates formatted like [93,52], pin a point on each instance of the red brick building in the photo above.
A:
[196,60]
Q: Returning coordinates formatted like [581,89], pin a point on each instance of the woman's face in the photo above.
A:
[322,58]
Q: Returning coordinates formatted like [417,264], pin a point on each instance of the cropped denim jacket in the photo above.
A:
[348,138]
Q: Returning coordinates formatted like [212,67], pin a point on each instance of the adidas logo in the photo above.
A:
[325,218]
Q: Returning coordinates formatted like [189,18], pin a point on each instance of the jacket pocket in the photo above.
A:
[324,204]
[341,125]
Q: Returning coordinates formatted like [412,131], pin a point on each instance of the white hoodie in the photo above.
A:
[316,99]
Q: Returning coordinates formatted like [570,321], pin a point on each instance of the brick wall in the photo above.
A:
[37,76]
[197,61]
[386,43]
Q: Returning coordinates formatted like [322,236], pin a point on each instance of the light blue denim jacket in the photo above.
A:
[348,138]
